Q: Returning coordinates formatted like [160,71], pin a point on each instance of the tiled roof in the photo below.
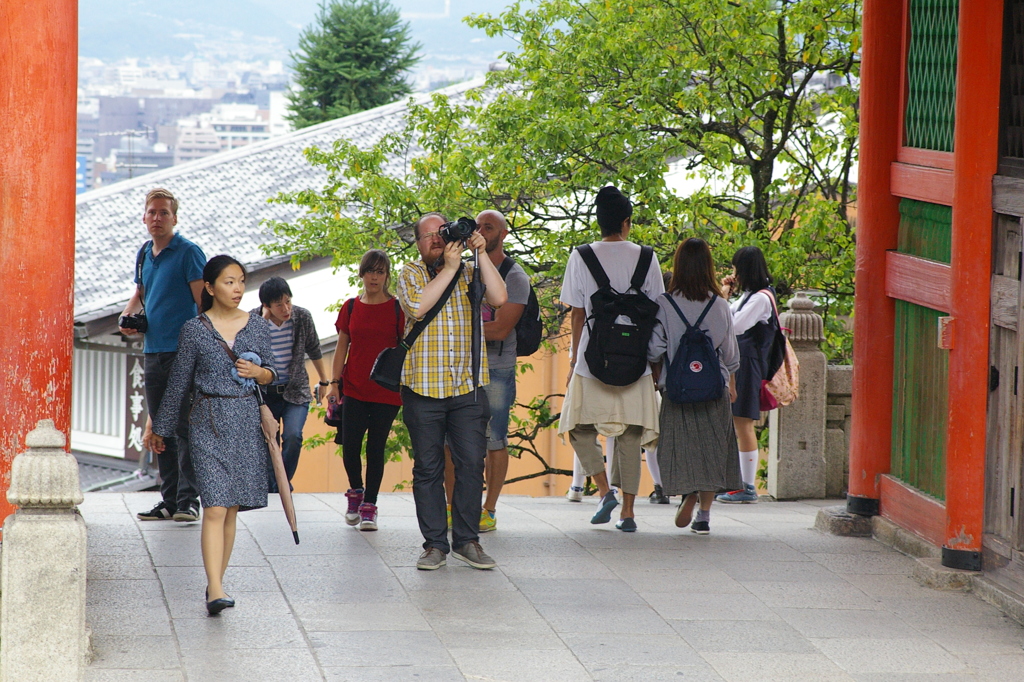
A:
[223,200]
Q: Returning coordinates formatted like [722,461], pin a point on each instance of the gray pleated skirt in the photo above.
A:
[697,450]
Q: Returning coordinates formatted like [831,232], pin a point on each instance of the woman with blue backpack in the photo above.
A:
[696,345]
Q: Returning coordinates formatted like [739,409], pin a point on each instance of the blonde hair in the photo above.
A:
[161,193]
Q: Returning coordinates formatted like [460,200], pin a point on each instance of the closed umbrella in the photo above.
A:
[269,423]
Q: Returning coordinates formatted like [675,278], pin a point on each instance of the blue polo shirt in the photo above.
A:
[167,295]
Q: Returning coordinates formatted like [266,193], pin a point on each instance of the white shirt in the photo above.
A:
[619,260]
[759,309]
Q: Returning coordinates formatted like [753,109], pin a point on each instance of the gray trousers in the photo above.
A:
[625,470]
[177,476]
[462,421]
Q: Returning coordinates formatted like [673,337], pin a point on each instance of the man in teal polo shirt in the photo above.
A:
[168,286]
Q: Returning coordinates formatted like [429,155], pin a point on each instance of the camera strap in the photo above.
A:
[418,328]
[140,259]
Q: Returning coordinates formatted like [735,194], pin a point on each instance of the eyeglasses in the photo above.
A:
[430,235]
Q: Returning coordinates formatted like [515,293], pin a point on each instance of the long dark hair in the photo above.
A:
[751,269]
[211,272]
[693,271]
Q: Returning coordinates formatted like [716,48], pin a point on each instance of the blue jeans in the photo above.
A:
[293,418]
[501,394]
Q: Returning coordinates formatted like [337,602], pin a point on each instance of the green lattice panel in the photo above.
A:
[931,74]
[921,377]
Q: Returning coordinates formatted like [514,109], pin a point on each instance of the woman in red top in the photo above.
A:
[366,325]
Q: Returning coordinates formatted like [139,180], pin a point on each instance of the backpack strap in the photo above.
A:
[707,309]
[505,267]
[680,312]
[140,258]
[643,265]
[398,319]
[594,265]
[700,319]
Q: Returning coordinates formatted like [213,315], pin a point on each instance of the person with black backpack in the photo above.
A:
[511,331]
[610,285]
[697,347]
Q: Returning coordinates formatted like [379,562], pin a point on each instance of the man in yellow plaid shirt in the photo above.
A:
[439,396]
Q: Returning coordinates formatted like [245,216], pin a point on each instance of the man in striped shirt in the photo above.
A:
[439,396]
[292,337]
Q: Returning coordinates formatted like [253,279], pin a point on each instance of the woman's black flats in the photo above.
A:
[217,605]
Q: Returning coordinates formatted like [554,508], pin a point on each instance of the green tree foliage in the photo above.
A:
[355,56]
[755,99]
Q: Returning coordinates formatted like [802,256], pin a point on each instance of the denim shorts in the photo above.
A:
[501,394]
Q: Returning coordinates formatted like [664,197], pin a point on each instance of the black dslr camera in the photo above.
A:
[136,322]
[458,230]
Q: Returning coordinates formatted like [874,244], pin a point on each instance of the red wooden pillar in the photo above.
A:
[975,154]
[877,230]
[38,98]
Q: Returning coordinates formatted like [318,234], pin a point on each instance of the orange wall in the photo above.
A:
[321,470]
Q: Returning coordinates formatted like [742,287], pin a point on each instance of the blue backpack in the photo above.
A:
[695,372]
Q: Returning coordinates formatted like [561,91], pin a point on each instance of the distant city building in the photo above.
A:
[194,143]
[84,165]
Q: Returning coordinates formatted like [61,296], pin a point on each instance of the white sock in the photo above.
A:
[578,479]
[748,467]
[652,465]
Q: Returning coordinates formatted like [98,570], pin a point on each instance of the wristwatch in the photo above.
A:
[325,383]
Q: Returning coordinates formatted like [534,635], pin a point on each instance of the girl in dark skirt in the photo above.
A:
[228,449]
[697,443]
[755,322]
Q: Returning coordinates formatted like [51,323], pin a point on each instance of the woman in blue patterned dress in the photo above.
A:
[228,450]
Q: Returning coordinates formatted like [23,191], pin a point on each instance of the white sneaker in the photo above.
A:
[574,494]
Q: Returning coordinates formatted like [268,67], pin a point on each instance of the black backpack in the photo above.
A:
[529,328]
[617,353]
[695,372]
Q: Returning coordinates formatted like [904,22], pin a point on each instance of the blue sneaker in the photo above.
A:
[746,496]
[604,512]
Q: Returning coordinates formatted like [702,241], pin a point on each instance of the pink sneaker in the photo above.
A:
[367,516]
[355,498]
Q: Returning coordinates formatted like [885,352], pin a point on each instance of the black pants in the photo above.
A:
[177,477]
[462,421]
[374,421]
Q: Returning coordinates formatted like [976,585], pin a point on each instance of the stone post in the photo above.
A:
[796,433]
[42,607]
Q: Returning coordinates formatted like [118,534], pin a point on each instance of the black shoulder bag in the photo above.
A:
[387,368]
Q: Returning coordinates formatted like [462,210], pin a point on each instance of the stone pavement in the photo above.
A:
[764,597]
